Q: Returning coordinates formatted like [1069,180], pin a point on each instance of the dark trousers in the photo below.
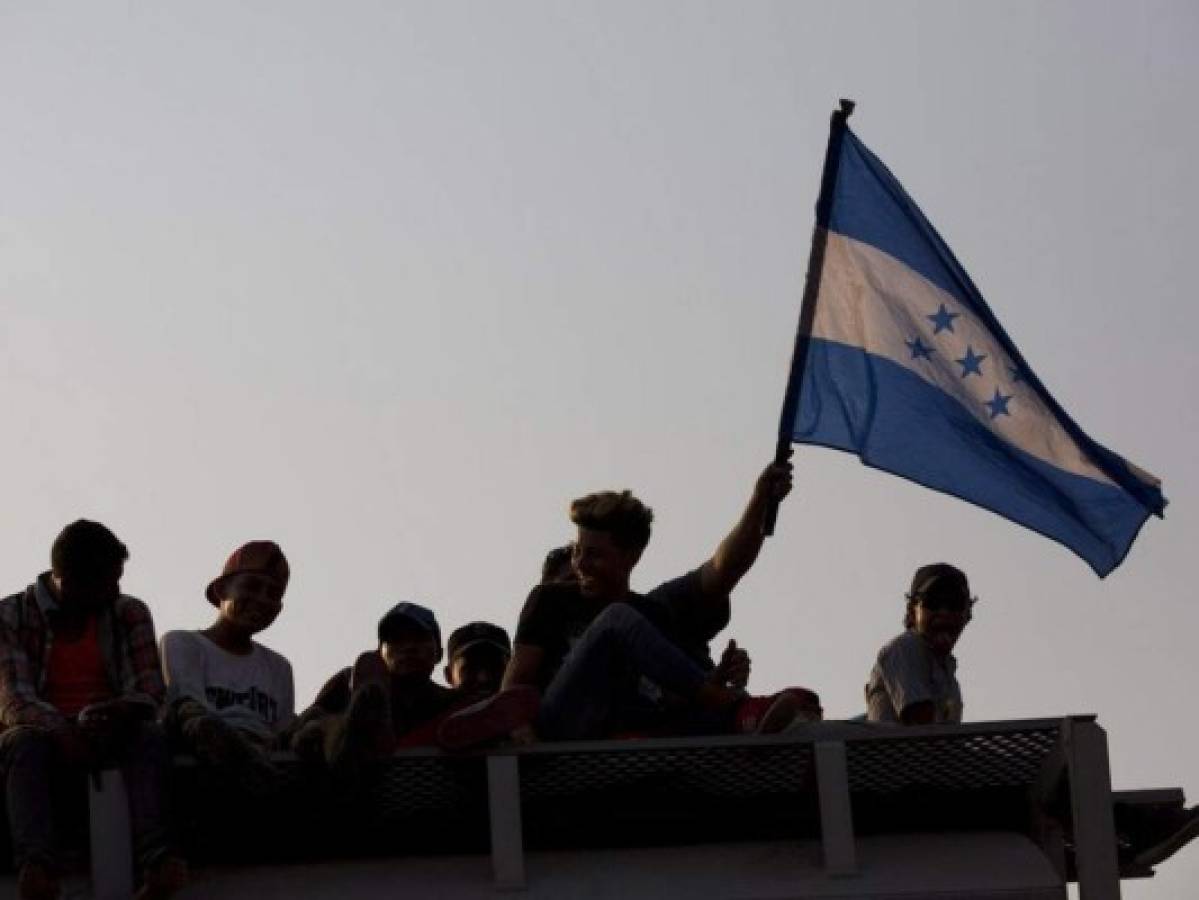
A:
[32,768]
[602,675]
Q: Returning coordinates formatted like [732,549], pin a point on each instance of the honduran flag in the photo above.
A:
[900,361]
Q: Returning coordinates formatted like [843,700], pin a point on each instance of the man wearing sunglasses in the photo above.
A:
[913,681]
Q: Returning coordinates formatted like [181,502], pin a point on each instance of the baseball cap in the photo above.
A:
[940,580]
[408,614]
[256,557]
[477,633]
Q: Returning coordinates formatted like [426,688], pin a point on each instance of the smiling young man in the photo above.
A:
[230,697]
[914,679]
[605,659]
[80,687]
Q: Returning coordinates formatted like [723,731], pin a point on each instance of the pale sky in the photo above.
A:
[392,283]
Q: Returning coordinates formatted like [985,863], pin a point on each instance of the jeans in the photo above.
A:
[603,671]
[31,767]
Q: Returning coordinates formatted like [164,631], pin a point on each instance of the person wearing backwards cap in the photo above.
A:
[229,697]
[386,700]
[477,655]
[914,680]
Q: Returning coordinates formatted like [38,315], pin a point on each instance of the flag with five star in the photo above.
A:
[900,361]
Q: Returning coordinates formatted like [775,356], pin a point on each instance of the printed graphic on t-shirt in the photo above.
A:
[264,705]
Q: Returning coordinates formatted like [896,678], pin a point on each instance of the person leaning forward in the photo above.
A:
[80,687]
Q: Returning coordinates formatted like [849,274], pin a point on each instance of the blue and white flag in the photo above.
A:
[900,361]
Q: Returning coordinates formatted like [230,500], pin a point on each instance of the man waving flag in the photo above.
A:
[900,361]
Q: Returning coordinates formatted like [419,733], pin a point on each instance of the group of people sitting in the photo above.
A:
[84,684]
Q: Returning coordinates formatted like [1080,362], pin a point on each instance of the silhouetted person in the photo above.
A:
[80,688]
[230,698]
[603,659]
[914,682]
[558,565]
[476,656]
[914,679]
[386,700]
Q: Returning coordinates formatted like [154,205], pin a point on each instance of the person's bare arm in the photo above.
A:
[524,667]
[738,551]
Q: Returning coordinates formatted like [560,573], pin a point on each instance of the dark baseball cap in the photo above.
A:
[478,633]
[408,614]
[940,580]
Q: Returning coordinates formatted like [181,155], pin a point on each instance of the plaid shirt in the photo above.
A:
[126,634]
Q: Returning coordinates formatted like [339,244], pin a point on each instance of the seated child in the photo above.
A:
[230,699]
[914,680]
[386,700]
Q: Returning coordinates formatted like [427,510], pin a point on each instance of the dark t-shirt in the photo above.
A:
[556,615]
[411,705]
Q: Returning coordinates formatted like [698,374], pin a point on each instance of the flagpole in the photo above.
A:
[807,309]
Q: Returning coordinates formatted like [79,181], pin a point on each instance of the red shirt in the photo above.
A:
[75,674]
[127,642]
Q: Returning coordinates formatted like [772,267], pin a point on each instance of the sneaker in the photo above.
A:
[773,713]
[810,709]
[1168,834]
[492,719]
[37,881]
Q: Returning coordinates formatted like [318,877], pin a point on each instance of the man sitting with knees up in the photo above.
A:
[603,659]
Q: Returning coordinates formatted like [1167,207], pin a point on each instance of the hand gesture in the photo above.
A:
[108,726]
[733,668]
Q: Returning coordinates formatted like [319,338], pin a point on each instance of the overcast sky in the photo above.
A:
[392,283]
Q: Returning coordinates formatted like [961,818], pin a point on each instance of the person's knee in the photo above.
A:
[618,619]
[25,743]
[201,728]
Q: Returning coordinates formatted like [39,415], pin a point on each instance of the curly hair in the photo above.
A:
[617,513]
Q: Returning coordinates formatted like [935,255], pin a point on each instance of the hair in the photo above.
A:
[85,548]
[555,561]
[621,515]
[909,613]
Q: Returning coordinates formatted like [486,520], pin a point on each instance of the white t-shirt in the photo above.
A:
[254,692]
[909,672]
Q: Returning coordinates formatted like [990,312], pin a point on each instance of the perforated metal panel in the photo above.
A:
[950,762]
[717,771]
[408,786]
